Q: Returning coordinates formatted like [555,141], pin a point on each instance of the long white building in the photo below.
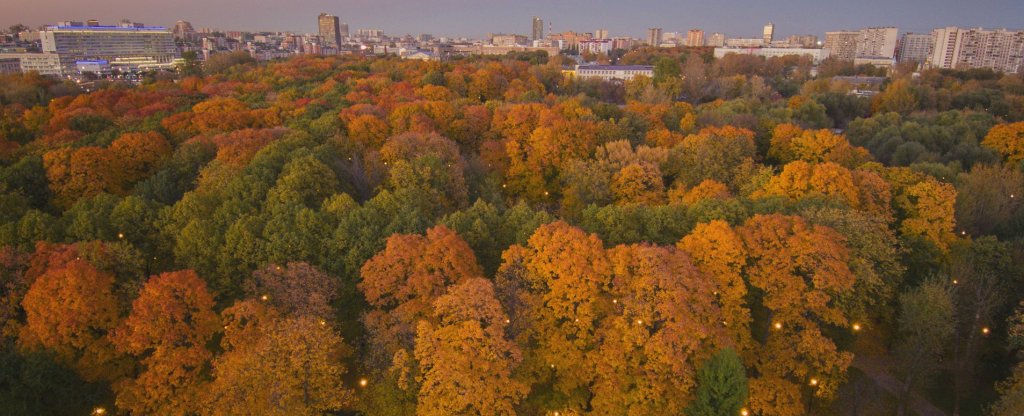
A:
[816,55]
[43,63]
[127,42]
[613,72]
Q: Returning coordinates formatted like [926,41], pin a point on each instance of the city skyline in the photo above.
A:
[456,18]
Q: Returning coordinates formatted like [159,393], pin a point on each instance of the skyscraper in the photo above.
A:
[654,36]
[695,38]
[601,34]
[769,32]
[330,29]
[538,28]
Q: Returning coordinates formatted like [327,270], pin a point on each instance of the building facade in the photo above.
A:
[816,54]
[806,41]
[716,39]
[538,29]
[508,40]
[877,42]
[654,36]
[695,38]
[915,47]
[744,43]
[999,50]
[842,44]
[623,43]
[330,29]
[613,72]
[601,34]
[126,42]
[769,33]
[10,65]
[596,46]
[43,63]
[183,30]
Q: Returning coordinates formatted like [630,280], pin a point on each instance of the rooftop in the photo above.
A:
[618,67]
[108,28]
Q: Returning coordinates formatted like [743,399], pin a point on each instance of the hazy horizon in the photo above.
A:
[475,18]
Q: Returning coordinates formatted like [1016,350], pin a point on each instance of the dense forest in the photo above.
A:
[373,236]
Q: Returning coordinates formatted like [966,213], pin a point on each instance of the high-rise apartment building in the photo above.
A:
[842,45]
[133,44]
[330,29]
[623,43]
[538,29]
[769,33]
[915,47]
[695,38]
[183,30]
[343,30]
[654,36]
[999,50]
[372,34]
[716,39]
[601,34]
[807,41]
[877,42]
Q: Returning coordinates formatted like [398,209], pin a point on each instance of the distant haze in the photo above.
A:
[474,18]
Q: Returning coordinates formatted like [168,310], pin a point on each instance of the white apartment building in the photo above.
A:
[597,46]
[816,55]
[613,72]
[842,44]
[999,50]
[43,63]
[877,42]
[744,42]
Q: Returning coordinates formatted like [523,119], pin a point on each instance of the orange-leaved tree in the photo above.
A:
[276,365]
[168,328]
[402,282]
[664,324]
[70,309]
[466,360]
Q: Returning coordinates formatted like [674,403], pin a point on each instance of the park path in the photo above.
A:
[876,370]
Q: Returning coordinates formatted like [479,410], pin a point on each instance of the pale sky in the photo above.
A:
[473,18]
